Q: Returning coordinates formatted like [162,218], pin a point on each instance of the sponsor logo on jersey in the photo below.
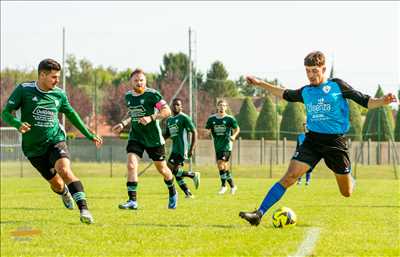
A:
[219,130]
[43,114]
[321,106]
[137,112]
[34,99]
[173,129]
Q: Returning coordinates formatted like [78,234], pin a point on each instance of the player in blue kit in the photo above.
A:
[327,121]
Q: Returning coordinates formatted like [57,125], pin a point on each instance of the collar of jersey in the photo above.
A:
[40,90]
[320,85]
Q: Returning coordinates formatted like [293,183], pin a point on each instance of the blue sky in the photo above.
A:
[267,39]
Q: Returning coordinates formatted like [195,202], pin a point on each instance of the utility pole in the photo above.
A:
[63,69]
[190,86]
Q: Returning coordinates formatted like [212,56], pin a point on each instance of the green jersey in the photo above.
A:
[221,130]
[177,128]
[145,104]
[40,109]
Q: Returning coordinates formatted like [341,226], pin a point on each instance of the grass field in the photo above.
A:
[35,223]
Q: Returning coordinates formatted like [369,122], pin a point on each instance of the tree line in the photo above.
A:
[97,93]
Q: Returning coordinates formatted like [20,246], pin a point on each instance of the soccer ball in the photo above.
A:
[284,217]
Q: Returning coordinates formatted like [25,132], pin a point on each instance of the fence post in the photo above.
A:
[362,153]
[284,150]
[355,162]
[238,150]
[111,162]
[378,152]
[261,150]
[21,164]
[389,152]
[270,162]
[277,150]
[369,152]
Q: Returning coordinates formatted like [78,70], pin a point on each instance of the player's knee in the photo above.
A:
[289,180]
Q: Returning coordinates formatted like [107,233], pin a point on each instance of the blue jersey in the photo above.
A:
[326,105]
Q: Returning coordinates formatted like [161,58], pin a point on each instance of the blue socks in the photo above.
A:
[274,194]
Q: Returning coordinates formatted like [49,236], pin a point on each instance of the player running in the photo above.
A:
[224,130]
[177,129]
[145,135]
[43,138]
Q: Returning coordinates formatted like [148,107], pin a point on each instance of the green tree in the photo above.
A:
[355,122]
[86,72]
[266,125]
[72,75]
[217,83]
[378,124]
[122,76]
[397,128]
[174,64]
[244,88]
[292,121]
[247,118]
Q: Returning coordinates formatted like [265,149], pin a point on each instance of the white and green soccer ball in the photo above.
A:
[284,217]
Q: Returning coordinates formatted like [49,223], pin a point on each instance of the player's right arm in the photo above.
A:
[74,118]
[275,90]
[14,103]
[124,122]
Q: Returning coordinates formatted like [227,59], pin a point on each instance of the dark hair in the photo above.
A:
[47,65]
[136,71]
[177,99]
[315,58]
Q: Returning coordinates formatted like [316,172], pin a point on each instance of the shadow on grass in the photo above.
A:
[352,206]
[185,225]
[27,209]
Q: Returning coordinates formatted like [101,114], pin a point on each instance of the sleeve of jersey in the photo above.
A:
[190,124]
[74,118]
[13,103]
[351,93]
[208,124]
[291,95]
[159,101]
[234,123]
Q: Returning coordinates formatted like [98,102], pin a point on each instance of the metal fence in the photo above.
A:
[245,152]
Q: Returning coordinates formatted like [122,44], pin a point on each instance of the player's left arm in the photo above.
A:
[363,99]
[163,112]
[74,118]
[236,129]
[193,143]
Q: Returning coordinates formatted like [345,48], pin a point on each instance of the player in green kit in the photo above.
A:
[43,138]
[177,129]
[146,108]
[224,130]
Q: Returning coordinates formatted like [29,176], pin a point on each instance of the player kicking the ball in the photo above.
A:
[327,122]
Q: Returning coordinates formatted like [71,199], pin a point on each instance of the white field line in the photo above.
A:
[307,246]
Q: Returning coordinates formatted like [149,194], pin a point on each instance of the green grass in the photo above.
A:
[366,224]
